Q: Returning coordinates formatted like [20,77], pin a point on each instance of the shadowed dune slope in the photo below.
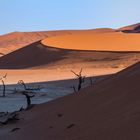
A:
[135,28]
[109,110]
[37,55]
[31,56]
[115,41]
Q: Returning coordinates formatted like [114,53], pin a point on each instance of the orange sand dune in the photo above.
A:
[116,41]
[109,110]
[39,56]
[13,41]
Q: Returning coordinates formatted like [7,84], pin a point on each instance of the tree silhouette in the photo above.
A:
[28,98]
[80,78]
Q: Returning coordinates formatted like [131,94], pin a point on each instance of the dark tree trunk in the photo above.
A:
[28,99]
[3,88]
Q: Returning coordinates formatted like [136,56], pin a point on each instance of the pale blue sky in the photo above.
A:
[34,15]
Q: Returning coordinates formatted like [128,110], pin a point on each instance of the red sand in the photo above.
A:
[108,110]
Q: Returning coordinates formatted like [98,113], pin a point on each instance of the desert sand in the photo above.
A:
[38,63]
[108,110]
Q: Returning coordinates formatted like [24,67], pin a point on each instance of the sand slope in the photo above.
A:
[39,56]
[108,110]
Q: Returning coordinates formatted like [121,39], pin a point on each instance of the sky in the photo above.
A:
[38,15]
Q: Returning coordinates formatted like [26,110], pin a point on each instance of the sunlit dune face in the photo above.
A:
[115,41]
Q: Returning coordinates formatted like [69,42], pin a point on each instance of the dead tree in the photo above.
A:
[3,83]
[28,98]
[22,83]
[80,79]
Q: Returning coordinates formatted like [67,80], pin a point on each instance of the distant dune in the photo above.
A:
[135,28]
[108,110]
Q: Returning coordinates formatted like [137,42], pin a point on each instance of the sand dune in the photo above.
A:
[38,56]
[76,50]
[13,41]
[108,110]
[116,41]
[135,28]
